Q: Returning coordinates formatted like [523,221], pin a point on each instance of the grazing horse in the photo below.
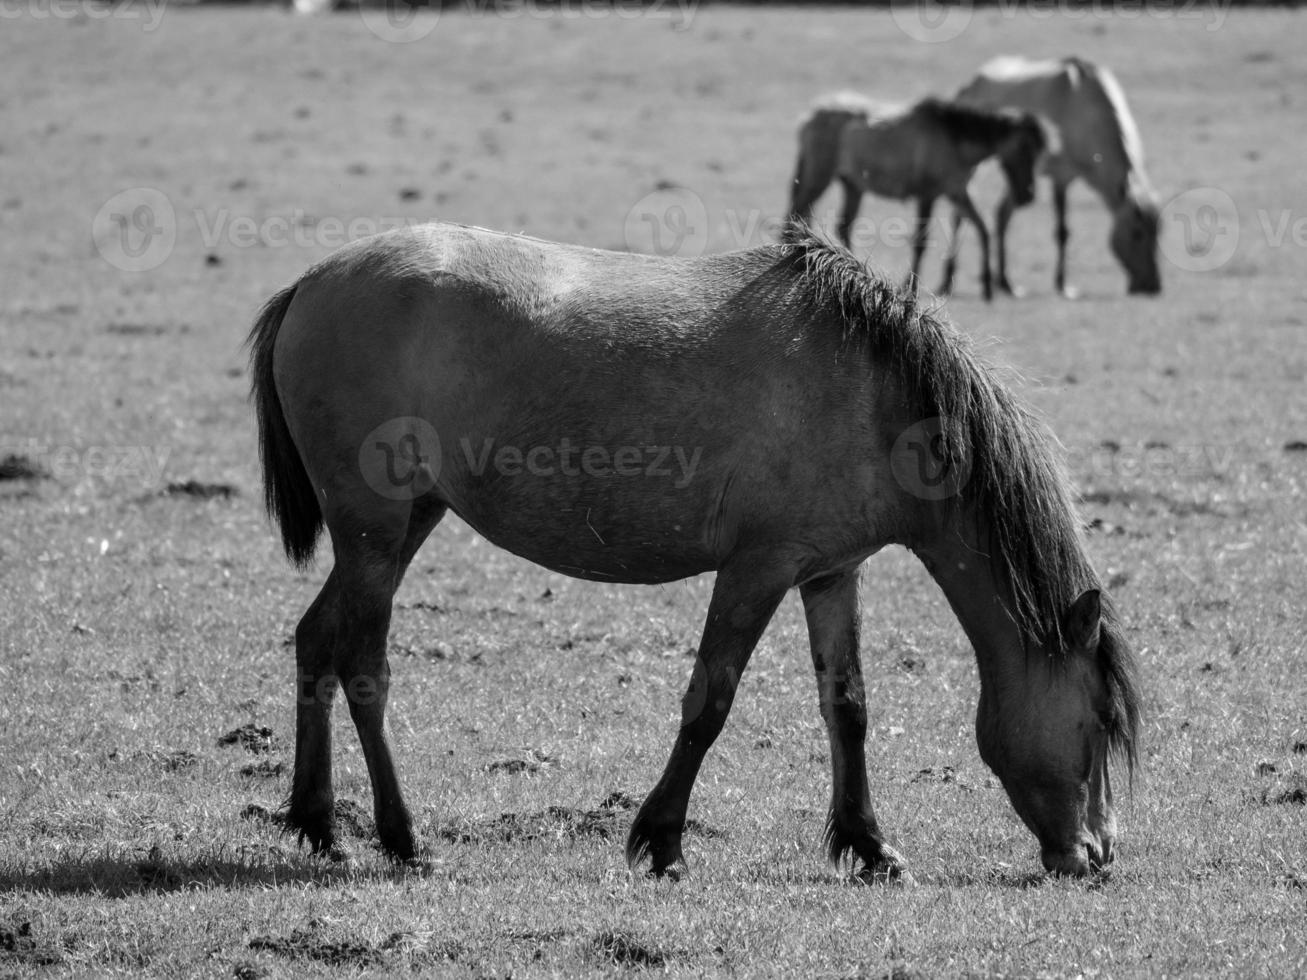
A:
[1096,139]
[924,151]
[525,385]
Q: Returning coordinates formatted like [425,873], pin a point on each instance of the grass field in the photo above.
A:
[146,610]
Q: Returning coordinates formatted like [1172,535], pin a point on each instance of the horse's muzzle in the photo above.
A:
[1088,858]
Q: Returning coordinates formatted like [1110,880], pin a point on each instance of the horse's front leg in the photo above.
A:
[920,236]
[1062,234]
[951,259]
[745,595]
[834,621]
[967,209]
[1002,218]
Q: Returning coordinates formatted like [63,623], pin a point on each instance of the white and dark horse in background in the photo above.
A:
[1096,139]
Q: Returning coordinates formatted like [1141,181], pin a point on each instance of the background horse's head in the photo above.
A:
[1134,242]
[1019,152]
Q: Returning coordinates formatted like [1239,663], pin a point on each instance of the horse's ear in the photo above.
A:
[1082,624]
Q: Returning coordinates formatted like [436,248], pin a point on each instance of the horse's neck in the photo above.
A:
[1115,177]
[972,153]
[959,559]
[1098,129]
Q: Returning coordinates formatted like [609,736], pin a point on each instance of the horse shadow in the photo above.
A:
[127,875]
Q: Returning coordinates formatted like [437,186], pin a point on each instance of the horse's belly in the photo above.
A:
[593,542]
[630,514]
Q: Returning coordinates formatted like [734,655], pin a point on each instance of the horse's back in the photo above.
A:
[1083,101]
[901,152]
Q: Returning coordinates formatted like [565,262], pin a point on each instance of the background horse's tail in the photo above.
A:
[287,492]
[819,143]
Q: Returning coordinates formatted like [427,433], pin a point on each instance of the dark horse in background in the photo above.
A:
[925,151]
[832,417]
[1096,140]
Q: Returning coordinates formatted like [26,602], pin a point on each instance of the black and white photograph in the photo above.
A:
[630,488]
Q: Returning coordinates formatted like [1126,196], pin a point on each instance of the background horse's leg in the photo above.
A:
[1002,218]
[806,187]
[849,212]
[369,568]
[834,623]
[312,803]
[968,210]
[1062,235]
[951,259]
[920,236]
[744,598]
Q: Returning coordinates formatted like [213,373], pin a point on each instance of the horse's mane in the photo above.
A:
[971,123]
[1016,480]
[1100,84]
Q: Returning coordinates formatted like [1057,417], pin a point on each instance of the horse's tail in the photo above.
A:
[819,144]
[287,492]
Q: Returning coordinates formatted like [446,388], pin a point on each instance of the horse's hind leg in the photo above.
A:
[311,811]
[341,642]
[849,211]
[805,188]
[831,607]
[745,595]
[371,563]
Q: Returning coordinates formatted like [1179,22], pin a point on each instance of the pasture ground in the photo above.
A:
[145,609]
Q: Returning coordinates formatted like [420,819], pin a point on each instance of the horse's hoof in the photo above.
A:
[891,869]
[1069,292]
[416,866]
[675,871]
[338,856]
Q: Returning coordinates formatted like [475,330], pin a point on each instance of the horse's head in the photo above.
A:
[1134,242]
[1019,152]
[1046,725]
